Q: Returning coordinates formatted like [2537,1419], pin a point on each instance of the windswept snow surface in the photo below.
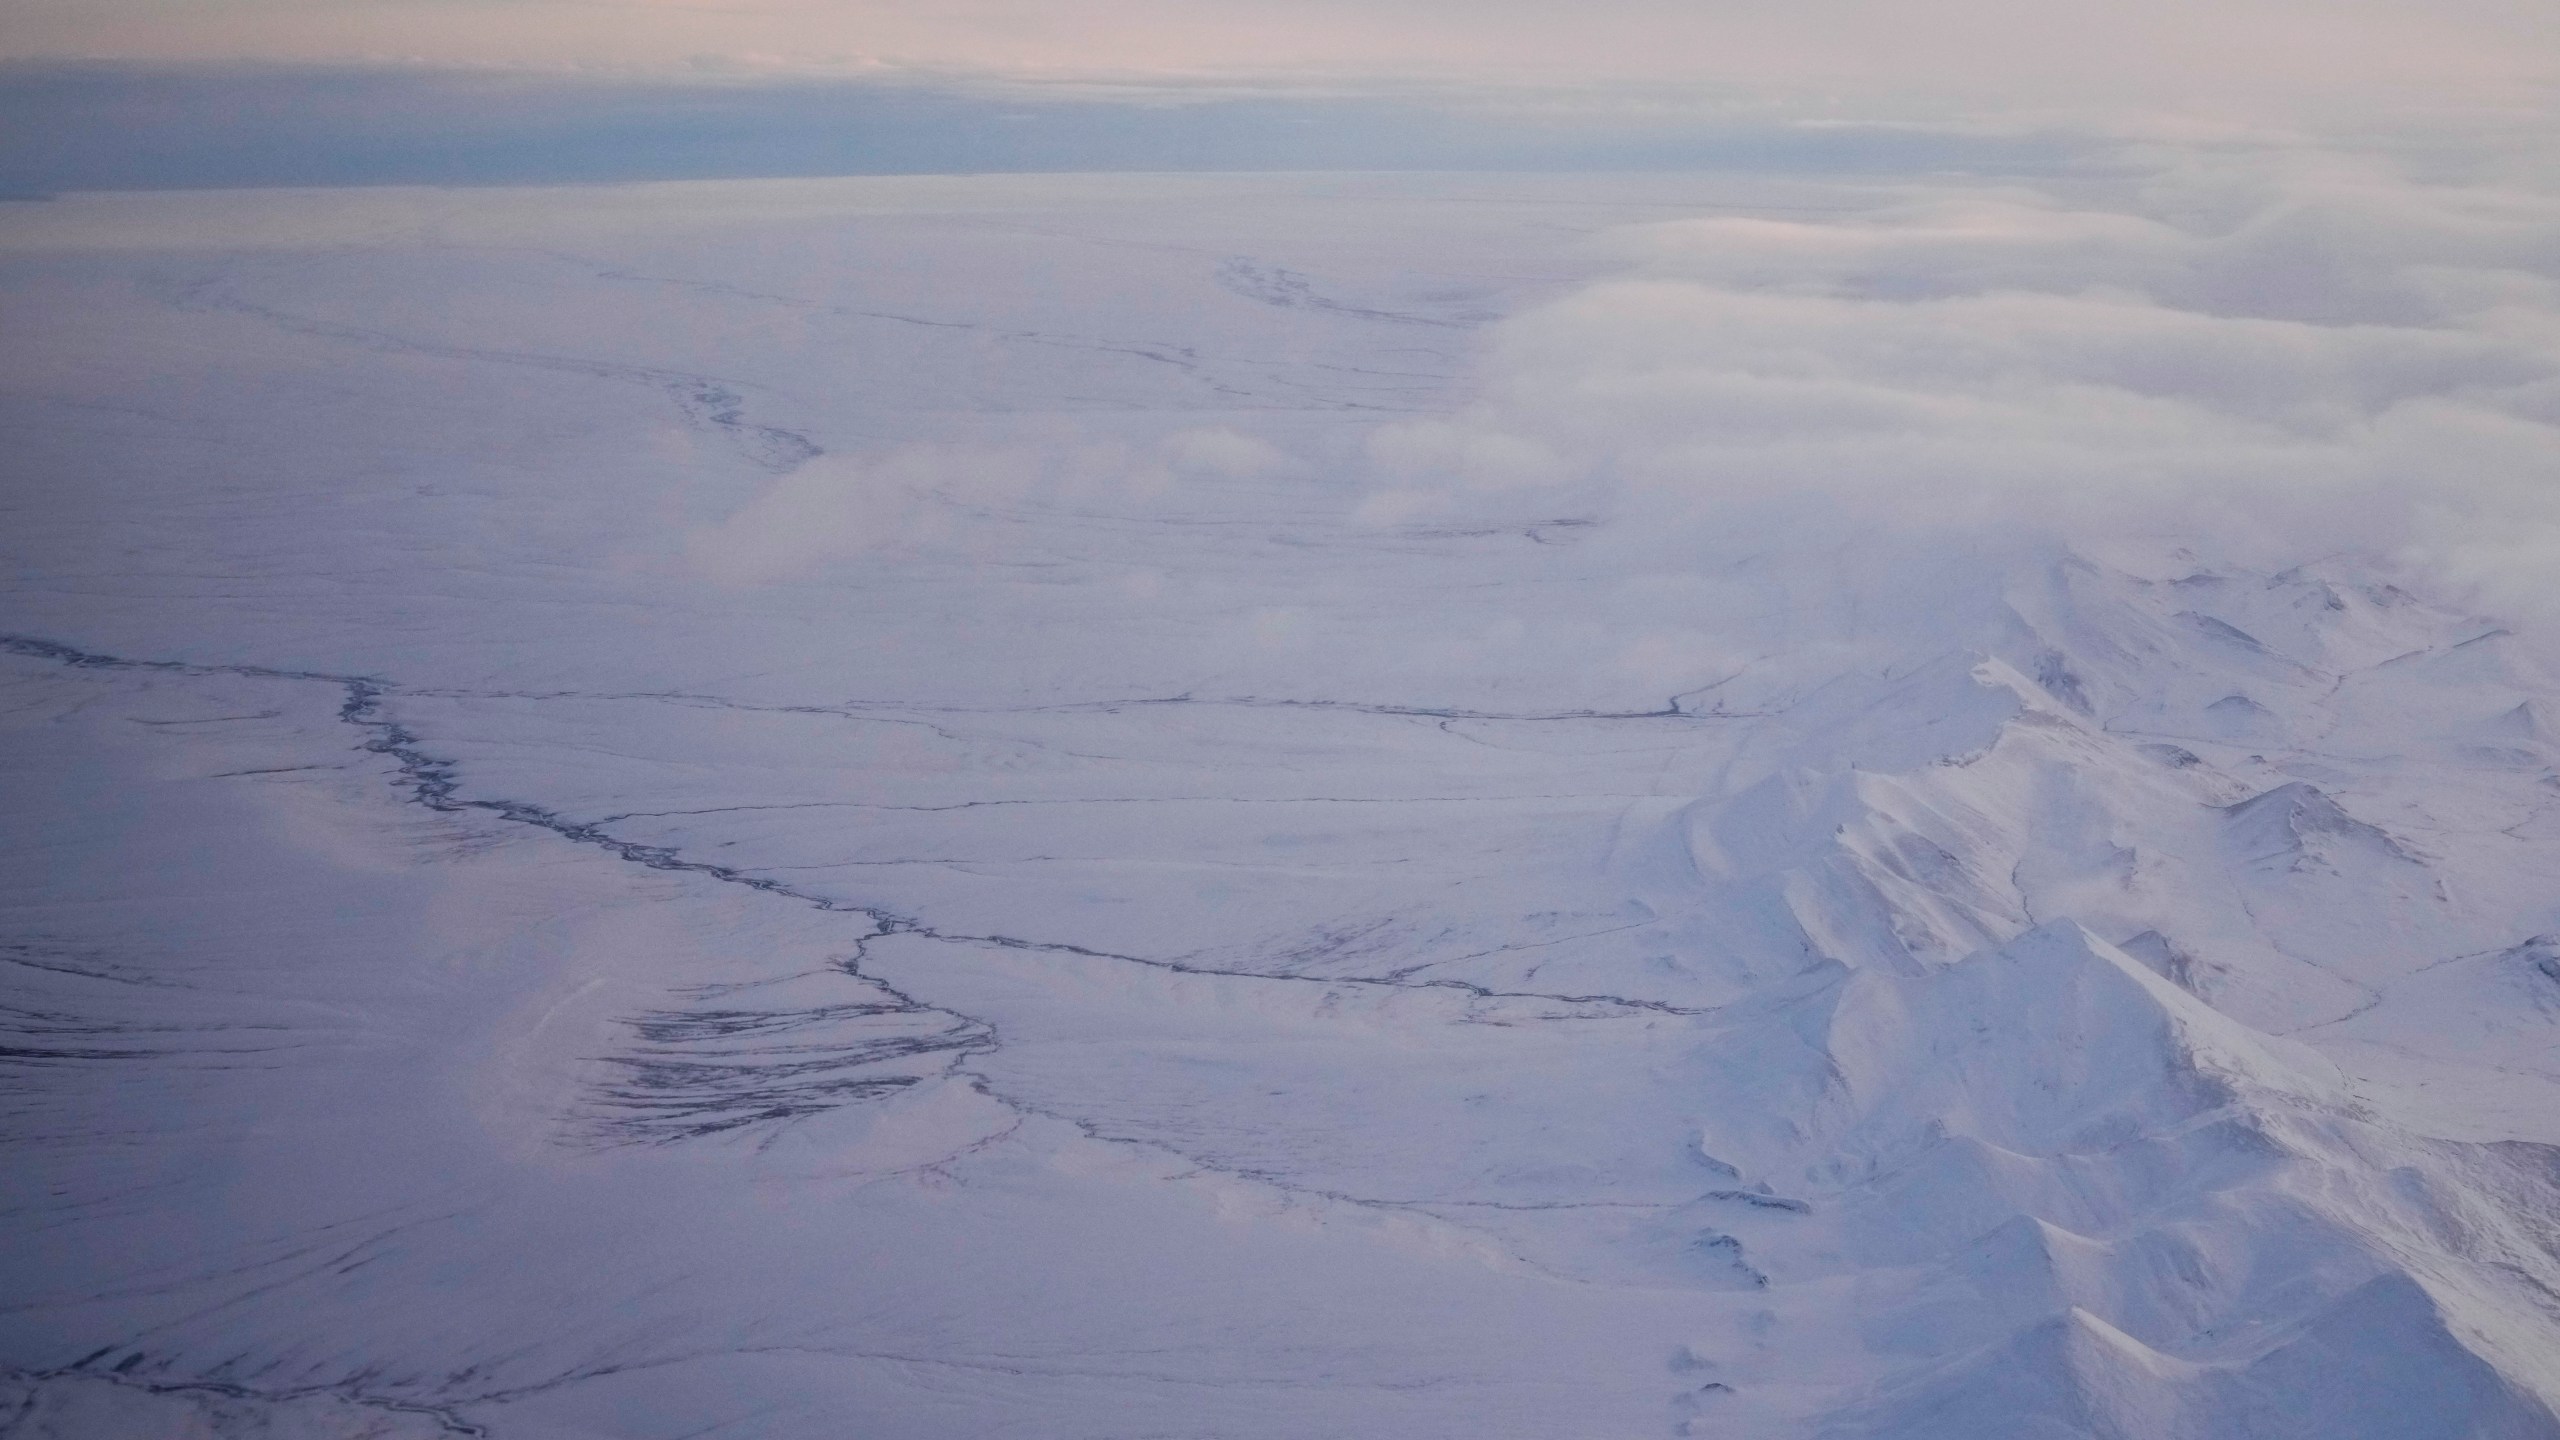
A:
[1386,806]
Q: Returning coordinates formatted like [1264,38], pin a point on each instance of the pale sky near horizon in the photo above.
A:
[2235,56]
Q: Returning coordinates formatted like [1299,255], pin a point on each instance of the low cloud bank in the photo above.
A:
[1804,448]
[2264,359]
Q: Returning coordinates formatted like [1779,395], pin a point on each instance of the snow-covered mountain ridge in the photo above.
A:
[2068,1142]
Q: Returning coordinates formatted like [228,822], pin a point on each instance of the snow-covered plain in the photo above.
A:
[1564,807]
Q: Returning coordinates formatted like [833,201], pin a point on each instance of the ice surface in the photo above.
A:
[1019,807]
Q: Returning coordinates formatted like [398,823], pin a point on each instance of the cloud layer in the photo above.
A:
[1794,446]
[2265,360]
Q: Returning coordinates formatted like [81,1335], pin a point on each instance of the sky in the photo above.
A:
[152,93]
[2217,57]
[124,94]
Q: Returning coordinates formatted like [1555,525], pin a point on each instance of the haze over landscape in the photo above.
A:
[1109,720]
